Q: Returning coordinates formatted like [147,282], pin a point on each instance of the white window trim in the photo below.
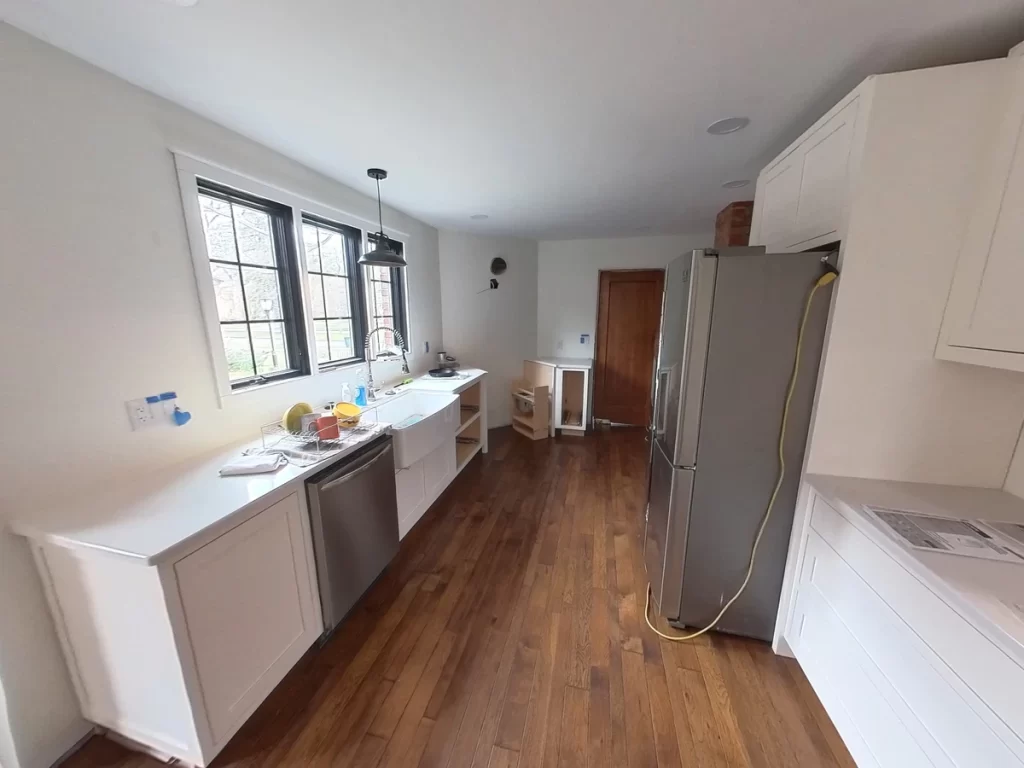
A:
[190,168]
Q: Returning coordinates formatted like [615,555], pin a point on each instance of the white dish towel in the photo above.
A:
[253,464]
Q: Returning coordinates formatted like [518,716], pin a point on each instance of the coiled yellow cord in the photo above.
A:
[824,280]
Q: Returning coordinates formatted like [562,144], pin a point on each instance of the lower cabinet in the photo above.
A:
[420,484]
[906,679]
[176,656]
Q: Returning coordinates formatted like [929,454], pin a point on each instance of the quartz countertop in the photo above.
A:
[982,591]
[465,378]
[166,514]
[169,513]
[565,362]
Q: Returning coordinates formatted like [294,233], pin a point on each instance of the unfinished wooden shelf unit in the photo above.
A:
[531,401]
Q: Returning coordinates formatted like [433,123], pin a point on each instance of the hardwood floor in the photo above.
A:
[509,632]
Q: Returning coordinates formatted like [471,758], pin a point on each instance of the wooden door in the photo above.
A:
[628,322]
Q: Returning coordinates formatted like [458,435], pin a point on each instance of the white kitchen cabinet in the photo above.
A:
[175,656]
[906,678]
[802,196]
[984,318]
[420,484]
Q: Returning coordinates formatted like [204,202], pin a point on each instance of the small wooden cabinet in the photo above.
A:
[176,656]
[802,196]
[984,318]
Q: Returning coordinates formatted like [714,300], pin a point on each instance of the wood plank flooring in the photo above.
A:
[509,633]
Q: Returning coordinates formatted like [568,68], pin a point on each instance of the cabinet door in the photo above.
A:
[438,469]
[823,179]
[249,610]
[986,308]
[778,196]
[409,485]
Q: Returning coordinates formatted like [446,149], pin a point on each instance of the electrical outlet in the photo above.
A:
[140,412]
[561,345]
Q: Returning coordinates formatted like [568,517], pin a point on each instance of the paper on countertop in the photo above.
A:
[1011,534]
[953,536]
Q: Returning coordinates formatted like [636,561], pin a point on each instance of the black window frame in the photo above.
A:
[356,295]
[399,313]
[286,262]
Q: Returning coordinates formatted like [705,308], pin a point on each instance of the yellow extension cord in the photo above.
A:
[822,282]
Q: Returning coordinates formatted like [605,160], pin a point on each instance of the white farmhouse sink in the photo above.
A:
[420,421]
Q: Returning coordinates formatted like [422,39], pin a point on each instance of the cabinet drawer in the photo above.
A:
[853,691]
[961,685]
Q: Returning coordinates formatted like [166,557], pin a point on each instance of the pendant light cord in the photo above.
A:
[380,211]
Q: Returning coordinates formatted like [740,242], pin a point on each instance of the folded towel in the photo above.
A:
[252,465]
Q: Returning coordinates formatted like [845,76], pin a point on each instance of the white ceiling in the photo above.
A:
[557,118]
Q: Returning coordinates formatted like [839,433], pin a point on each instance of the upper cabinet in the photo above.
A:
[802,196]
[984,318]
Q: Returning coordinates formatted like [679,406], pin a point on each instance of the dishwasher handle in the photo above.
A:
[346,474]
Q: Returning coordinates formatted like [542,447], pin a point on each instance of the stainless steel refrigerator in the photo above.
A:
[728,340]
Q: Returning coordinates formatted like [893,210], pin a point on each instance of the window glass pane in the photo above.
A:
[323,353]
[309,240]
[316,296]
[227,286]
[236,347]
[336,296]
[252,230]
[384,339]
[332,253]
[342,343]
[382,304]
[262,293]
[220,236]
[269,346]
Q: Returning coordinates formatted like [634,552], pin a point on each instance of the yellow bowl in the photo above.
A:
[292,419]
[347,414]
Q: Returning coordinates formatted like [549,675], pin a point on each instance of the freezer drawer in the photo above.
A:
[354,514]
[667,522]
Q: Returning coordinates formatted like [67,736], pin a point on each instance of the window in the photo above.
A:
[332,251]
[255,281]
[279,280]
[385,293]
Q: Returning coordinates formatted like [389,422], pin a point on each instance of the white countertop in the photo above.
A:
[565,362]
[465,378]
[168,513]
[164,514]
[973,587]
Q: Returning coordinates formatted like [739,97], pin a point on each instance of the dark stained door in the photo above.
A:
[628,321]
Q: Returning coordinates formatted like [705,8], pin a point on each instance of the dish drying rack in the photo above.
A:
[276,437]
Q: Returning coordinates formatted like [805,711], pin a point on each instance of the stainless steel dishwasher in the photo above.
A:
[353,509]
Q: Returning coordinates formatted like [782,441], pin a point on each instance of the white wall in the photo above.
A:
[568,283]
[886,407]
[493,330]
[98,305]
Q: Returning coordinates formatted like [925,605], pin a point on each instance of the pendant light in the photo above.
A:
[381,254]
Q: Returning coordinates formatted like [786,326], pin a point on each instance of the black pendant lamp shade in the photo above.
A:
[381,253]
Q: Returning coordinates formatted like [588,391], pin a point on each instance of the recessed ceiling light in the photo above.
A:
[185,3]
[479,216]
[736,184]
[728,125]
